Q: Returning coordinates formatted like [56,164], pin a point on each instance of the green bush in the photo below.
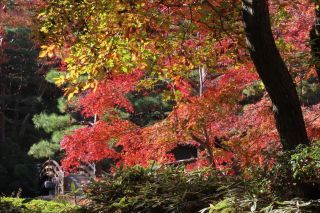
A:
[166,189]
[297,173]
[309,92]
[13,205]
[8,207]
[306,163]
[173,189]
[253,93]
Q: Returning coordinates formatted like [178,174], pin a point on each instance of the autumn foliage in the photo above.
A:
[147,42]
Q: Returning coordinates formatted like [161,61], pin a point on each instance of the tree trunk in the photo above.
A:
[274,74]
[315,42]
[202,78]
[2,109]
[205,145]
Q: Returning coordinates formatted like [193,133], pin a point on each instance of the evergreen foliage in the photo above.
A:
[18,171]
[52,122]
[24,93]
[56,125]
[43,149]
[150,108]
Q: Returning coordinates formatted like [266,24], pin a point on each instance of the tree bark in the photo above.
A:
[205,145]
[315,42]
[2,109]
[274,74]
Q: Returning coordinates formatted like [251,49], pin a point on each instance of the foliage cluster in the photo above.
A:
[309,92]
[56,125]
[174,189]
[113,53]
[24,93]
[165,189]
[20,205]
[306,163]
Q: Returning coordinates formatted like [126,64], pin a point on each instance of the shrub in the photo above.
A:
[173,189]
[165,189]
[306,163]
[8,207]
[13,205]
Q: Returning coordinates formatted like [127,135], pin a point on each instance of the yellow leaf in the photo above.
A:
[47,51]
[41,14]
[72,93]
[87,86]
[59,81]
[44,30]
[70,96]
[43,54]
[50,54]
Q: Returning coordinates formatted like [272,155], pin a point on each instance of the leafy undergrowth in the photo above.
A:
[169,189]
[291,185]
[17,205]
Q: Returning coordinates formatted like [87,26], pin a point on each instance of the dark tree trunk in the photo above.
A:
[2,110]
[315,43]
[274,74]
[204,143]
[99,170]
